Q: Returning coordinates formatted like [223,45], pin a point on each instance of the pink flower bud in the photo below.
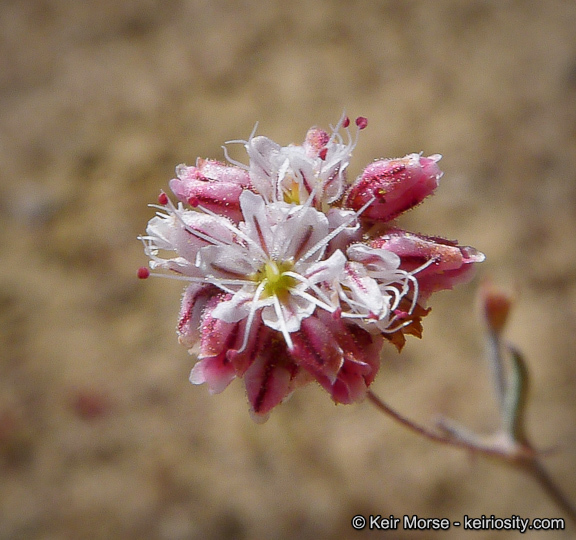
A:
[213,185]
[496,306]
[436,263]
[316,141]
[396,185]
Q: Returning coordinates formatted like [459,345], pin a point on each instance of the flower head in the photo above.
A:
[286,282]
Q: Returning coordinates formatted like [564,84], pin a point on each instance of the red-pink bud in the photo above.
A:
[396,185]
[213,185]
[316,141]
[496,306]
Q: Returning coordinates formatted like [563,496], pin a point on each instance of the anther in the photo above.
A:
[380,194]
[322,153]
[345,122]
[143,272]
[163,199]
[361,122]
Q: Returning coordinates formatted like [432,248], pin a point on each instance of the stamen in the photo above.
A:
[425,265]
[176,212]
[310,285]
[234,161]
[310,298]
[239,141]
[283,327]
[251,313]
[324,242]
[234,229]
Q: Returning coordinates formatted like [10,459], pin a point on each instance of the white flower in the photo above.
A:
[293,173]
[272,262]
[293,275]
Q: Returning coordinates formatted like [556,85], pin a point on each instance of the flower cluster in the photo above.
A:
[295,274]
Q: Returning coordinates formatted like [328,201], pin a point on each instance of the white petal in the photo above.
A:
[257,225]
[160,231]
[227,262]
[263,172]
[293,310]
[327,270]
[299,232]
[364,289]
[381,261]
[235,309]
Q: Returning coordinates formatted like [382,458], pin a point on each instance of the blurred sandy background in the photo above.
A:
[101,434]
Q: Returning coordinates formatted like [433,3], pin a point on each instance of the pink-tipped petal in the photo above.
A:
[361,361]
[213,371]
[194,302]
[269,379]
[316,350]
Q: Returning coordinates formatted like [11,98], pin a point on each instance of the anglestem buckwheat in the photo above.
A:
[294,273]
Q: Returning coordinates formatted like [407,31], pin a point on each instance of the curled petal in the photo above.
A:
[235,308]
[364,290]
[396,184]
[326,270]
[448,263]
[218,337]
[381,262]
[286,316]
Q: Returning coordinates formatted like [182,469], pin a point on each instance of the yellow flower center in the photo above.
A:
[277,282]
[292,195]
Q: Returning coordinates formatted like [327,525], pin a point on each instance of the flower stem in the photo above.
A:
[535,469]
[517,455]
[432,434]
